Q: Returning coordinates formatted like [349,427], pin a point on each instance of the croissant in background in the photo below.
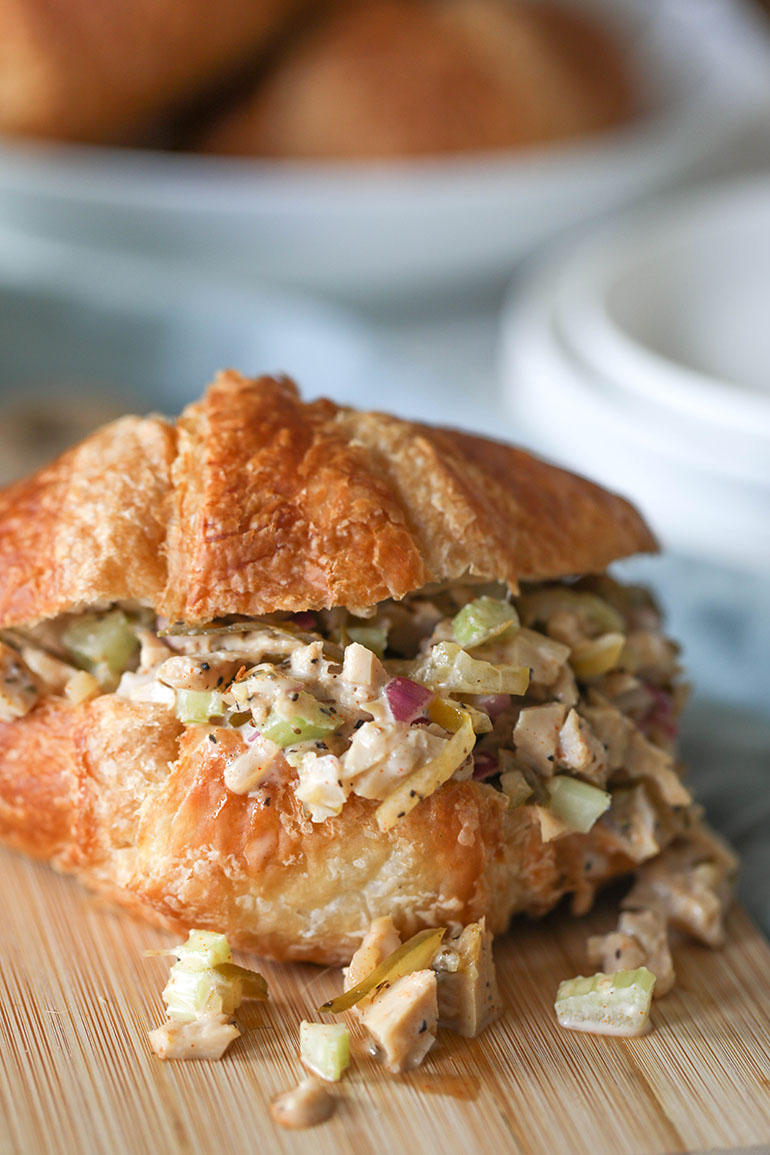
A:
[281,668]
[106,71]
[410,77]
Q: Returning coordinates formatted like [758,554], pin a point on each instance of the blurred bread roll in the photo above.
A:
[408,77]
[103,70]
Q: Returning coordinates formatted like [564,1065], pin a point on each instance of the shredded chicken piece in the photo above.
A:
[250,768]
[536,736]
[640,940]
[380,940]
[186,673]
[402,1020]
[631,823]
[468,998]
[581,751]
[689,888]
[206,1037]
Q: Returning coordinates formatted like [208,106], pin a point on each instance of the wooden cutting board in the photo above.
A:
[77,998]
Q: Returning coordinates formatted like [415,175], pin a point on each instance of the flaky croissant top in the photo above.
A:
[255,502]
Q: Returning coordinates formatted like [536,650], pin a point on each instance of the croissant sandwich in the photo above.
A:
[282,668]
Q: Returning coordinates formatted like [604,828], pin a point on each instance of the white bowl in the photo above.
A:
[396,229]
[641,357]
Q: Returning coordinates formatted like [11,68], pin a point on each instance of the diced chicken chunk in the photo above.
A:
[544,656]
[18,688]
[610,727]
[320,789]
[380,940]
[650,654]
[581,751]
[362,667]
[690,890]
[206,1037]
[536,736]
[468,998]
[402,1020]
[247,770]
[640,940]
[207,673]
[643,760]
[54,673]
[632,822]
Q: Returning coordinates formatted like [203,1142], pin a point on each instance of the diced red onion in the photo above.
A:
[661,713]
[406,699]
[484,765]
[250,733]
[305,620]
[492,704]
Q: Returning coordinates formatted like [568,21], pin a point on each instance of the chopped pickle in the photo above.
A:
[577,803]
[597,656]
[253,985]
[104,643]
[447,667]
[616,1004]
[325,1049]
[423,781]
[540,605]
[198,706]
[304,719]
[515,787]
[481,620]
[446,713]
[416,954]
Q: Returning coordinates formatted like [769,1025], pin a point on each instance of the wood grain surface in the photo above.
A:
[77,998]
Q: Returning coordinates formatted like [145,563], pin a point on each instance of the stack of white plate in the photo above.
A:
[641,356]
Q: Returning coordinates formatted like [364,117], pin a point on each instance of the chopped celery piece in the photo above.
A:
[481,620]
[576,803]
[199,705]
[598,656]
[616,1004]
[375,638]
[302,720]
[101,640]
[423,781]
[189,993]
[416,954]
[447,667]
[204,948]
[324,1048]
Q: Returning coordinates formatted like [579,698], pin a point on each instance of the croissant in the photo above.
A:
[105,71]
[280,668]
[410,77]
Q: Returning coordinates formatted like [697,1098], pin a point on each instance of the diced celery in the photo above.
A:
[302,720]
[482,619]
[189,993]
[447,667]
[375,638]
[576,803]
[101,640]
[616,1004]
[199,705]
[324,1048]
[415,954]
[204,948]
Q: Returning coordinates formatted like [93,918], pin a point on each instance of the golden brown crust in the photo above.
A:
[135,805]
[410,77]
[106,71]
[258,502]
